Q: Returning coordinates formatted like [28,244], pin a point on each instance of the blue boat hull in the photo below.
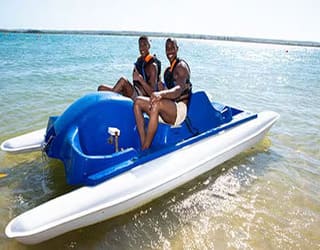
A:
[79,137]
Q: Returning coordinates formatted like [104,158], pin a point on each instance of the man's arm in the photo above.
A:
[181,75]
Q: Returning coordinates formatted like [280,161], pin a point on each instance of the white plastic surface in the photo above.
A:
[24,143]
[132,189]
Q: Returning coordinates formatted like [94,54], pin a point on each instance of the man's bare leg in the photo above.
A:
[123,86]
[141,105]
[104,88]
[168,111]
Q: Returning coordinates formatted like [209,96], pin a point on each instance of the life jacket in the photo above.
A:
[169,80]
[141,64]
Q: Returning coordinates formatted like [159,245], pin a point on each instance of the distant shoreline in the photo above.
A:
[165,34]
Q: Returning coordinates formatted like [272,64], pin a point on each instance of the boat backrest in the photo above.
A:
[204,115]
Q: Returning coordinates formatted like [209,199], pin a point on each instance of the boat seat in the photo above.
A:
[202,116]
[167,134]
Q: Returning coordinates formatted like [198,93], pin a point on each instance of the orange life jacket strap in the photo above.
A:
[148,58]
[173,64]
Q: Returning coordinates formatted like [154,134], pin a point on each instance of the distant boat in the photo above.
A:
[97,140]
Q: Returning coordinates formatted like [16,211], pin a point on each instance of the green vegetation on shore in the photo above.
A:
[161,34]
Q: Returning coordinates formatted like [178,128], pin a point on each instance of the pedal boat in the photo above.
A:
[97,140]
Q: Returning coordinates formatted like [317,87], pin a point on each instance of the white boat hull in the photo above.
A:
[25,143]
[138,186]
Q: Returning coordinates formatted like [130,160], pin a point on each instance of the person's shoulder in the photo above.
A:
[152,65]
[182,62]
[183,65]
[155,62]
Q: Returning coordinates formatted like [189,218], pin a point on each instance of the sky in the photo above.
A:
[273,19]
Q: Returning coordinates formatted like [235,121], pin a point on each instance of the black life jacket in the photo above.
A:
[141,64]
[169,80]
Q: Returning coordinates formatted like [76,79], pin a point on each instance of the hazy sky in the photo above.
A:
[277,19]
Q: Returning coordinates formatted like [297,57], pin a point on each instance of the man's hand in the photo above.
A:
[136,76]
[154,99]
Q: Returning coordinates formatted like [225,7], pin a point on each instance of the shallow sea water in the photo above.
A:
[264,198]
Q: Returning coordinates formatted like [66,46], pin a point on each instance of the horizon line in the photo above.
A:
[168,34]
